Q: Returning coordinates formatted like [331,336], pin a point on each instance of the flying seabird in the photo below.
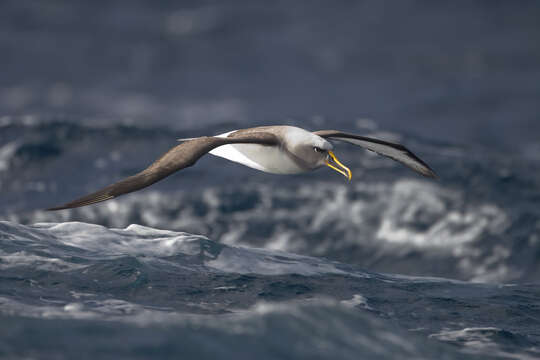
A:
[272,149]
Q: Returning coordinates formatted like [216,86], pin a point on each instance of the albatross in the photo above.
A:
[278,149]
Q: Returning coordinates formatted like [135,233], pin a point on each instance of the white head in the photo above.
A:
[312,151]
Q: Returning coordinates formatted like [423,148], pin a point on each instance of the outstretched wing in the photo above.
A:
[394,151]
[177,158]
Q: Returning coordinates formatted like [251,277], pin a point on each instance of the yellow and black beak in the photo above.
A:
[345,172]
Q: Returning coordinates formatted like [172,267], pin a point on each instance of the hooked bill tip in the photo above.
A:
[345,171]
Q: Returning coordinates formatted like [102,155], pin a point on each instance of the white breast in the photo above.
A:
[269,159]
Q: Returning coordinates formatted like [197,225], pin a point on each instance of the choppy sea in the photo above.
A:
[222,261]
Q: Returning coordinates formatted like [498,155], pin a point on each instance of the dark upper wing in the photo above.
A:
[394,151]
[177,158]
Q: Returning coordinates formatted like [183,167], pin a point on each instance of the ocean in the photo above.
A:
[222,261]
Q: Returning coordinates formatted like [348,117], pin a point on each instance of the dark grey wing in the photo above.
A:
[394,151]
[177,158]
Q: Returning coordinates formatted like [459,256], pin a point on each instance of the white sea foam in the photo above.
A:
[6,153]
[482,340]
[357,300]
[413,201]
[23,258]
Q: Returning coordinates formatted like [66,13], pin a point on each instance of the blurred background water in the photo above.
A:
[92,92]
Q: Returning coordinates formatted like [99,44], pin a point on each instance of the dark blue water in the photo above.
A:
[71,288]
[223,261]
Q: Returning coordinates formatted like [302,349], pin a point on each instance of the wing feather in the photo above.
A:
[394,151]
[177,158]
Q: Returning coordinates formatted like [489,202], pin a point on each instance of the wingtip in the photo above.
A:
[56,208]
[59,207]
[430,174]
[84,201]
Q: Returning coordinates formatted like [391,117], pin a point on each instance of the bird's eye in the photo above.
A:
[317,149]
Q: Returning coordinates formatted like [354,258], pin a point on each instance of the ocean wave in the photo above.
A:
[97,242]
[319,330]
[360,223]
[75,275]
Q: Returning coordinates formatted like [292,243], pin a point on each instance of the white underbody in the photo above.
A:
[270,159]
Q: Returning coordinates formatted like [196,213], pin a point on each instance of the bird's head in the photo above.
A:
[315,152]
